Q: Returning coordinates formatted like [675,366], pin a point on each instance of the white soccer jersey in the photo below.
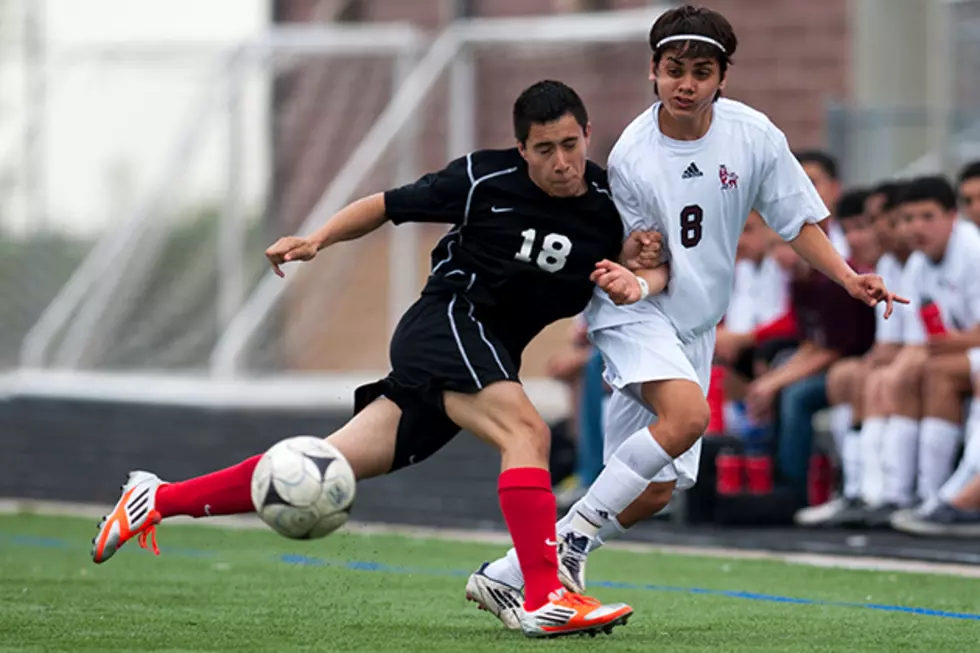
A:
[760,295]
[891,270]
[953,284]
[698,194]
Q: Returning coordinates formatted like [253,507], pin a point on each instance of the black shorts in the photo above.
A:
[440,344]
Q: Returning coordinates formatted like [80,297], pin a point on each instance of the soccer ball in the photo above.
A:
[303,488]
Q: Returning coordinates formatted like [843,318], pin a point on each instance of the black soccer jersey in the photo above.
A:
[521,256]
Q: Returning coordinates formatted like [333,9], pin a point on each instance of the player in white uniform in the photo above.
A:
[924,435]
[850,380]
[690,167]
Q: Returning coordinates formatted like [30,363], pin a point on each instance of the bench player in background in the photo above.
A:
[923,434]
[531,225]
[691,167]
[850,380]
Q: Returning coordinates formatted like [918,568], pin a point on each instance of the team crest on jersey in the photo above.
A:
[728,179]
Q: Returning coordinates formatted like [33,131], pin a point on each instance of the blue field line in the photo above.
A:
[355,565]
[37,542]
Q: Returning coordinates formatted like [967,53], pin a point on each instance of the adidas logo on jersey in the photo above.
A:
[692,172]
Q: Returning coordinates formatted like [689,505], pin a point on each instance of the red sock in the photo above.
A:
[225,492]
[529,510]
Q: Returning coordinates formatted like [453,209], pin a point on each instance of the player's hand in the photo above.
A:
[871,290]
[642,250]
[619,283]
[290,248]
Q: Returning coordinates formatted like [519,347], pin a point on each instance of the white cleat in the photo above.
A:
[573,553]
[567,613]
[135,514]
[499,599]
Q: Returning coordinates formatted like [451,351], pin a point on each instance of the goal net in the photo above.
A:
[170,286]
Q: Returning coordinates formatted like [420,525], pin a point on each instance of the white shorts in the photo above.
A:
[650,351]
[974,356]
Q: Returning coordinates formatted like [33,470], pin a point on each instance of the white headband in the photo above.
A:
[691,37]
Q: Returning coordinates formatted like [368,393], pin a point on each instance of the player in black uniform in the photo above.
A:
[531,226]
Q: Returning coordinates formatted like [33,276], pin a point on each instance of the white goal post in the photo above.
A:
[449,50]
[151,317]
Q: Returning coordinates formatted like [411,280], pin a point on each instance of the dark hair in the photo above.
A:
[546,101]
[892,191]
[851,203]
[934,188]
[823,159]
[700,21]
[969,171]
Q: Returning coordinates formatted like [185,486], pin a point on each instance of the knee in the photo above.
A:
[903,385]
[527,431]
[690,422]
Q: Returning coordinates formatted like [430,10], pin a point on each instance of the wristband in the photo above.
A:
[644,287]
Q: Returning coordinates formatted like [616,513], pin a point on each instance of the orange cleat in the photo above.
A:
[135,514]
[567,613]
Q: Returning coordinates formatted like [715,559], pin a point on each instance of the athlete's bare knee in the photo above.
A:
[681,426]
[502,415]
[525,432]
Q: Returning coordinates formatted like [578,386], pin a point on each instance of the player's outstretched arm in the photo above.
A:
[353,221]
[626,287]
[816,249]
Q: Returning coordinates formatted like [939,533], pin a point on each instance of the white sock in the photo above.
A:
[939,442]
[872,469]
[900,455]
[625,477]
[965,471]
[609,531]
[851,455]
[973,419]
[840,424]
[508,569]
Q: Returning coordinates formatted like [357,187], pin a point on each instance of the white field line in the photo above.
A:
[95,512]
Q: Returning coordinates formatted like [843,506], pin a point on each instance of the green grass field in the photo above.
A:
[249,590]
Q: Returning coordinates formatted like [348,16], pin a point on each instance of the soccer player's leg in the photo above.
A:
[654,424]
[624,417]
[367,441]
[501,414]
[901,395]
[845,381]
[945,384]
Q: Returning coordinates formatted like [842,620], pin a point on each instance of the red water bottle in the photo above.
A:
[730,467]
[758,472]
[716,401]
[819,480]
[932,317]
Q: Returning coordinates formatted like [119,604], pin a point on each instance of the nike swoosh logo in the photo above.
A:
[550,542]
[499,209]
